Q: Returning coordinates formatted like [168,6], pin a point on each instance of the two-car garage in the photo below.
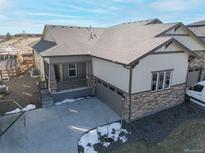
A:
[110,96]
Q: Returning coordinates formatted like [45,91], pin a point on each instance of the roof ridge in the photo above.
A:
[73,26]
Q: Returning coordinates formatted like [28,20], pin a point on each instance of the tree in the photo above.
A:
[8,35]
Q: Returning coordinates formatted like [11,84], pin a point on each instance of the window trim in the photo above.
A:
[164,80]
[76,70]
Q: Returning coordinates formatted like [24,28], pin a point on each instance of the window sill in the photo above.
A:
[161,90]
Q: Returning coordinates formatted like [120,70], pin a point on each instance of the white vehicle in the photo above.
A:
[196,94]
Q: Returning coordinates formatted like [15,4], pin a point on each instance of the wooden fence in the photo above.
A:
[15,72]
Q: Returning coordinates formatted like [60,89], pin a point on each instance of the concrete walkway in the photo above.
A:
[55,129]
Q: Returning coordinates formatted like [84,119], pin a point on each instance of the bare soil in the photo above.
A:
[188,137]
[24,90]
[178,129]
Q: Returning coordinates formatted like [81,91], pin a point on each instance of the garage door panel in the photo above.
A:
[193,76]
[109,97]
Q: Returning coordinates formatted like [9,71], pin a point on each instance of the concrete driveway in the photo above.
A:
[55,129]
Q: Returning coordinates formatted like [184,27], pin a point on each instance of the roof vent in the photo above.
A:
[92,36]
[168,44]
[175,29]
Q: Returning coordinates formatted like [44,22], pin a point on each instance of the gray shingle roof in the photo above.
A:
[42,45]
[145,22]
[199,23]
[121,43]
[72,40]
[126,42]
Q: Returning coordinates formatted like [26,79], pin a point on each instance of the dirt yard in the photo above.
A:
[23,90]
[189,137]
[179,129]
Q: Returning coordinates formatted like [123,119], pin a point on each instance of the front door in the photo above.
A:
[57,72]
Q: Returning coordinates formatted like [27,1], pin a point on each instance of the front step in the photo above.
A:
[4,76]
[72,93]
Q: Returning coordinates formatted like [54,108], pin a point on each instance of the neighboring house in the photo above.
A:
[136,68]
[197,68]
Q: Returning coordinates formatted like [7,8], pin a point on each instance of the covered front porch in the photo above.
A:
[67,73]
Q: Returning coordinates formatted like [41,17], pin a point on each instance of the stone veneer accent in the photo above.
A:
[91,82]
[125,108]
[52,86]
[200,62]
[147,103]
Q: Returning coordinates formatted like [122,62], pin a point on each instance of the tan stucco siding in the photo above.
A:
[40,65]
[47,36]
[189,41]
[69,59]
[142,73]
[112,73]
[172,47]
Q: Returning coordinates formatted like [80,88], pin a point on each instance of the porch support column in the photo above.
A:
[52,84]
[89,77]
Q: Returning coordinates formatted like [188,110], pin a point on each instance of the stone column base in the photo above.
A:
[52,86]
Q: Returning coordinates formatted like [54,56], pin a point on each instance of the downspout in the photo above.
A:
[130,68]
[200,74]
[130,93]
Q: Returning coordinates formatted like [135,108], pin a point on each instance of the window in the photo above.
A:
[161,80]
[119,93]
[197,88]
[111,88]
[105,85]
[191,70]
[72,70]
[154,81]
[167,79]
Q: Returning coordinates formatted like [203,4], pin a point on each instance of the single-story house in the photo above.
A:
[197,67]
[137,68]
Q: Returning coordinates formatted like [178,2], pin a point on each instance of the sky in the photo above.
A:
[31,15]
